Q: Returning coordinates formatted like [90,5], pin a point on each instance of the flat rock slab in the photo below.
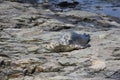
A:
[77,13]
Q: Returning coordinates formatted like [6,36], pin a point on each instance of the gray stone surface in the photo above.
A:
[26,30]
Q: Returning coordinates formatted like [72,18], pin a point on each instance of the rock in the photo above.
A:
[4,62]
[12,73]
[39,78]
[115,75]
[39,69]
[28,78]
[25,30]
[68,61]
[28,34]
[106,23]
[23,61]
[33,48]
[31,62]
[78,14]
[68,42]
[31,69]
[3,76]
[116,52]
[20,78]
[60,78]
[13,76]
[102,36]
[55,25]
[98,65]
[51,67]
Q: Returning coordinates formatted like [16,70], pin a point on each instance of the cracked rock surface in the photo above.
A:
[25,30]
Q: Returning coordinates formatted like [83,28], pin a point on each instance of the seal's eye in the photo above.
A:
[70,41]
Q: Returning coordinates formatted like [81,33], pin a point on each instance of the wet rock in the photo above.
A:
[108,24]
[116,75]
[67,4]
[68,42]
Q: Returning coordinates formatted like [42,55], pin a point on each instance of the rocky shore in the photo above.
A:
[25,30]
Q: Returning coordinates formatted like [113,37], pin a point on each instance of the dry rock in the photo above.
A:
[51,67]
[33,48]
[28,78]
[68,61]
[116,52]
[98,65]
[60,78]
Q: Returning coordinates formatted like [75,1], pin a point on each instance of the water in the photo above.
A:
[109,7]
[101,6]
